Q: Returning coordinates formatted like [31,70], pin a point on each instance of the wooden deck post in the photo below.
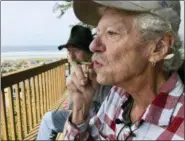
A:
[33,102]
[25,115]
[18,106]
[29,110]
[11,114]
[4,125]
[37,98]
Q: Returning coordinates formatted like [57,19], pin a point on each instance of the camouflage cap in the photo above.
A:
[88,11]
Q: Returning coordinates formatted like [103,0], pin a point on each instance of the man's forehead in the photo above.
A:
[114,18]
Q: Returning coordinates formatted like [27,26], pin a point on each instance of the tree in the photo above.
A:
[62,8]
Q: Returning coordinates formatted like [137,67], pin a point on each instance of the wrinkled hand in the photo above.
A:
[81,86]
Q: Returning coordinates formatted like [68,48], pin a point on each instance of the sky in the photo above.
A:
[33,23]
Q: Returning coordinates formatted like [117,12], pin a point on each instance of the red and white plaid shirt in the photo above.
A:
[162,120]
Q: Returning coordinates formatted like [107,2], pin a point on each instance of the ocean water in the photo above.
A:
[24,52]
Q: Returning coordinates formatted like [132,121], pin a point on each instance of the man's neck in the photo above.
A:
[144,87]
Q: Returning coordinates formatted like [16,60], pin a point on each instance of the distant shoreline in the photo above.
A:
[13,65]
[29,58]
[32,55]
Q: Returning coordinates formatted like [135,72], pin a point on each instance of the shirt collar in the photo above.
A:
[160,111]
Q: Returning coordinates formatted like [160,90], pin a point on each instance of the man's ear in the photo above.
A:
[161,48]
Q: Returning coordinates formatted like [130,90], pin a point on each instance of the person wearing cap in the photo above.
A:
[78,49]
[78,44]
[136,49]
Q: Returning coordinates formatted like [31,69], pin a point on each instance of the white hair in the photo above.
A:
[151,27]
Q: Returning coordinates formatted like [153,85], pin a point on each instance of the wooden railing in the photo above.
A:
[27,95]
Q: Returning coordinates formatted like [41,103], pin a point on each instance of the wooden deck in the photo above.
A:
[61,104]
[27,95]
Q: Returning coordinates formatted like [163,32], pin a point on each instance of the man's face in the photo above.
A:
[118,54]
[76,54]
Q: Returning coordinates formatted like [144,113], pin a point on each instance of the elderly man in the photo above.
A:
[78,48]
[136,49]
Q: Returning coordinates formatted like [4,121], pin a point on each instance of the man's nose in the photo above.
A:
[97,45]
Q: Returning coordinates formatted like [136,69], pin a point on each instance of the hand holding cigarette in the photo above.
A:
[81,85]
[84,71]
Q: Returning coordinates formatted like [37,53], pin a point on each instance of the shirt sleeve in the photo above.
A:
[91,128]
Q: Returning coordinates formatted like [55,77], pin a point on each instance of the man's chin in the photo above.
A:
[102,79]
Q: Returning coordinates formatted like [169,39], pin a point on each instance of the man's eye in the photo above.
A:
[111,33]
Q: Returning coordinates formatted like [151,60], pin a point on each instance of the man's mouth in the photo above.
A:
[97,64]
